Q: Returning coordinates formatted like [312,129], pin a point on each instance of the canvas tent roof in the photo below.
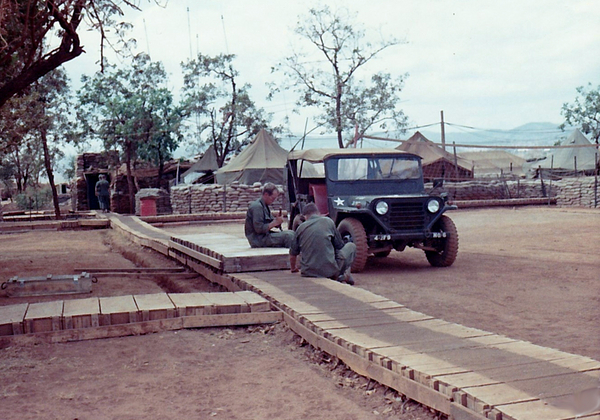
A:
[565,158]
[430,152]
[494,161]
[262,161]
[208,163]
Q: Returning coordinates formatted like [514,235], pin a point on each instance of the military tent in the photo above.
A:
[205,166]
[494,162]
[437,163]
[564,161]
[262,161]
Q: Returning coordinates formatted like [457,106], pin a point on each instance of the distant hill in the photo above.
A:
[531,134]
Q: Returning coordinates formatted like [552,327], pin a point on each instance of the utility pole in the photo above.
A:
[443,131]
[190,33]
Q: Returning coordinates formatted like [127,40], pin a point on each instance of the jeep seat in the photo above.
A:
[319,193]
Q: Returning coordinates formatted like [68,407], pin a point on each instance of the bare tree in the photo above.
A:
[345,100]
[225,109]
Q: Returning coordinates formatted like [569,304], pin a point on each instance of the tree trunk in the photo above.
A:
[338,114]
[161,170]
[130,183]
[50,172]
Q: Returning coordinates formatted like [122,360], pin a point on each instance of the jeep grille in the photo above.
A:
[407,215]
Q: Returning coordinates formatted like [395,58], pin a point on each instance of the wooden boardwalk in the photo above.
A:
[466,373]
[116,316]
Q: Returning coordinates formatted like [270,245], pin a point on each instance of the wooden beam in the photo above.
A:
[147,327]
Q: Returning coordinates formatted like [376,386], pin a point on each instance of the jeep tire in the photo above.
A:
[353,231]
[447,248]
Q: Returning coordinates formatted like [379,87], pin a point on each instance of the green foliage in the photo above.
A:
[131,109]
[584,112]
[34,199]
[227,118]
[70,168]
[27,121]
[334,86]
[7,175]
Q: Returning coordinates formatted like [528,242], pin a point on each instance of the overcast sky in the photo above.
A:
[487,64]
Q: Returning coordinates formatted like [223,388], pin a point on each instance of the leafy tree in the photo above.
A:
[28,27]
[584,112]
[7,175]
[132,110]
[32,125]
[163,129]
[224,109]
[346,101]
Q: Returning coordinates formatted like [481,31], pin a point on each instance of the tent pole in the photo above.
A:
[455,161]
[596,181]
[443,131]
[550,182]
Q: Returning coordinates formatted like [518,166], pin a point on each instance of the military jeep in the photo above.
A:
[377,199]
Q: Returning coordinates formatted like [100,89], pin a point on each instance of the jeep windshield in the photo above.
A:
[375,174]
[372,168]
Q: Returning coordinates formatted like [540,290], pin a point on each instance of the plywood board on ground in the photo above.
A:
[11,318]
[43,316]
[228,303]
[466,379]
[188,304]
[497,394]
[532,350]
[255,302]
[155,306]
[558,385]
[118,310]
[81,313]
[453,329]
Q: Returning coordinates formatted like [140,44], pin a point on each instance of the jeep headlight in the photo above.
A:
[433,206]
[381,208]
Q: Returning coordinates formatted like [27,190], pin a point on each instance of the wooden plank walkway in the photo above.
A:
[484,375]
[102,317]
[229,253]
[466,373]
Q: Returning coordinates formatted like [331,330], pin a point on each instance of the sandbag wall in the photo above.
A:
[580,191]
[494,190]
[213,198]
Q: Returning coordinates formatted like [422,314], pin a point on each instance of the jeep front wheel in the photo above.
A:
[353,231]
[446,248]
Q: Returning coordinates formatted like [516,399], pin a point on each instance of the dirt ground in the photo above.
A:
[530,273]
[262,372]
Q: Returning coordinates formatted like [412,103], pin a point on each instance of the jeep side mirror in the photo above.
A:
[438,183]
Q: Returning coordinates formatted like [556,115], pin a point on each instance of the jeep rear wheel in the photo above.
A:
[447,248]
[353,231]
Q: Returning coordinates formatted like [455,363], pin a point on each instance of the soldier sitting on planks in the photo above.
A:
[259,222]
[322,251]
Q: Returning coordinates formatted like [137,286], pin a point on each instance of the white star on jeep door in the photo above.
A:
[339,201]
